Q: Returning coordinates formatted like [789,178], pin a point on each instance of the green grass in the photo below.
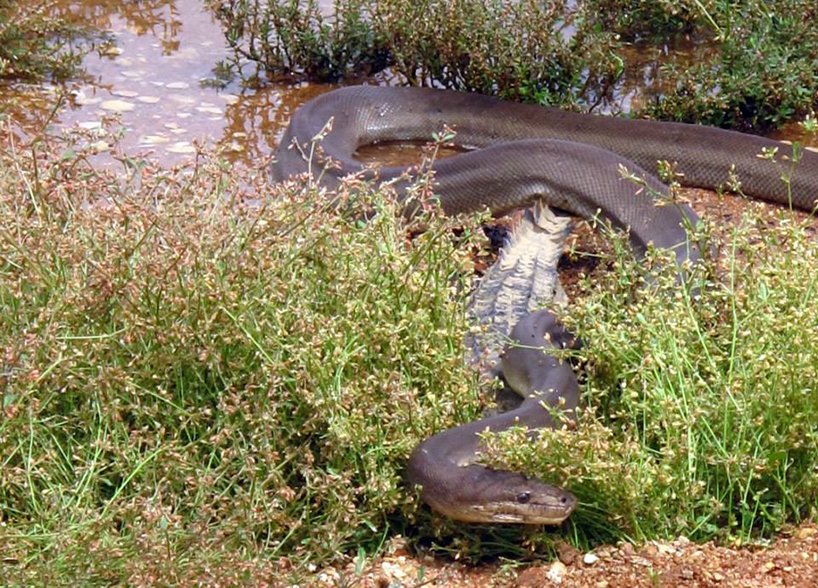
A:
[701,402]
[209,379]
[758,74]
[34,45]
[195,384]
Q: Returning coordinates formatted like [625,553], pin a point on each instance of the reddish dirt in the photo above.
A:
[791,560]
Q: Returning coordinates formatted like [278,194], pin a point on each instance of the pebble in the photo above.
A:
[567,553]
[531,577]
[393,571]
[805,532]
[99,146]
[590,558]
[556,572]
[605,551]
[148,99]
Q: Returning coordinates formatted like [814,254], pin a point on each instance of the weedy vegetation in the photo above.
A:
[34,45]
[758,74]
[195,383]
[700,413]
[206,378]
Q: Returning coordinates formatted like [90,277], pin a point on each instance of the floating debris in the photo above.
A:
[181,99]
[117,106]
[110,50]
[209,109]
[83,99]
[181,147]
[153,140]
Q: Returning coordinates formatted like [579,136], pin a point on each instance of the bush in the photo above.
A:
[517,49]
[198,381]
[33,45]
[755,77]
[701,413]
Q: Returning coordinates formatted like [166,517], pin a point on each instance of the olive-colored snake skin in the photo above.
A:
[522,154]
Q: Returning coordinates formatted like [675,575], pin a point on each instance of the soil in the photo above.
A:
[724,210]
[790,560]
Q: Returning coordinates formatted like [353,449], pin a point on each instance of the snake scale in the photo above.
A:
[520,154]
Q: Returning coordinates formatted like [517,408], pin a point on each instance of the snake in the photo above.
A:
[515,154]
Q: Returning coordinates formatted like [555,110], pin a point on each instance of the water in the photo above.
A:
[160,77]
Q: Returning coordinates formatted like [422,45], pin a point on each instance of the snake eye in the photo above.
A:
[523,497]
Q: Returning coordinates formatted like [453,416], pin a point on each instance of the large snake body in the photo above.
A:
[523,154]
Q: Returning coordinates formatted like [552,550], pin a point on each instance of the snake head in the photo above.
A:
[517,499]
[477,494]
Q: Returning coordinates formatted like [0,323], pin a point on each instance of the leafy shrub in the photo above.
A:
[702,405]
[33,45]
[191,377]
[759,74]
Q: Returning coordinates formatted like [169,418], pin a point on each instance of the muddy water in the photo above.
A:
[160,78]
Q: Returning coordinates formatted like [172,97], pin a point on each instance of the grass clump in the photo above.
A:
[34,45]
[758,74]
[195,383]
[520,50]
[701,413]
[761,76]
